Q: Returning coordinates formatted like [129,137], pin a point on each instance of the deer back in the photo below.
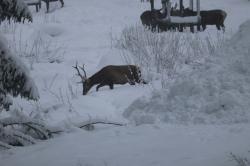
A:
[211,17]
[116,74]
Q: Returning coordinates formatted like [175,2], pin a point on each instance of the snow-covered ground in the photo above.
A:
[84,31]
[144,145]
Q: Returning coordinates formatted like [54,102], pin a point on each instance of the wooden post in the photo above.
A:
[198,7]
[181,12]
[181,6]
[198,14]
[152,5]
[191,7]
[168,11]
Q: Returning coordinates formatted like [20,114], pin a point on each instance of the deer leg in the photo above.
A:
[99,86]
[111,86]
[198,28]
[62,3]
[223,27]
[192,28]
[37,8]
[218,26]
[204,27]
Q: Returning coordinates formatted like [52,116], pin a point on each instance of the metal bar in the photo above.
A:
[181,5]
[198,7]
[168,11]
[191,4]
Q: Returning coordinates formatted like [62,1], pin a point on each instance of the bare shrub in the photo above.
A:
[166,53]
[241,161]
[8,27]
[38,49]
[63,96]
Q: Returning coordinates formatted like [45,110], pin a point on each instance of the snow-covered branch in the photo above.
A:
[14,77]
[21,130]
[5,146]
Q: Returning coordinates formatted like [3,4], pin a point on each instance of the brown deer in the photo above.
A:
[110,75]
[213,17]
[209,17]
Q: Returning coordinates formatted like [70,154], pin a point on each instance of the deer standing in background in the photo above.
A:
[213,17]
[209,17]
[110,75]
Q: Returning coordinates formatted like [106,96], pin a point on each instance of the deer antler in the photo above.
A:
[83,77]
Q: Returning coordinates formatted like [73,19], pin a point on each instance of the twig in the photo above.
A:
[111,123]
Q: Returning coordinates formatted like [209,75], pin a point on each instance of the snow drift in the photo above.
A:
[216,93]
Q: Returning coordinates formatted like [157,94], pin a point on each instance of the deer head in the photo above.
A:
[84,80]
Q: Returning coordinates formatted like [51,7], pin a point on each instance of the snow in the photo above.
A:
[144,145]
[240,40]
[199,120]
[31,1]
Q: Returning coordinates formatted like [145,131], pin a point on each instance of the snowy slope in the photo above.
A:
[145,145]
[85,31]
[216,93]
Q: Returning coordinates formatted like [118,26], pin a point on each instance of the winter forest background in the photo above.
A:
[195,109]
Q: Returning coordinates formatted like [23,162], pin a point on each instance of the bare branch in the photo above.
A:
[38,128]
[89,123]
[102,122]
[43,133]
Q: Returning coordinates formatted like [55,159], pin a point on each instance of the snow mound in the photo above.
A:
[217,93]
[52,30]
[241,40]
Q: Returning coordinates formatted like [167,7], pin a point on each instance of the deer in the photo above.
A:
[110,75]
[209,17]
[213,17]
[151,18]
[148,19]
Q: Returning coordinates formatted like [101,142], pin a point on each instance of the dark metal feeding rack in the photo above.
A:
[180,18]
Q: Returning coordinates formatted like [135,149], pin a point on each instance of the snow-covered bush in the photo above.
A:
[14,80]
[14,76]
[165,53]
[21,130]
[62,96]
[215,93]
[38,46]
[15,10]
